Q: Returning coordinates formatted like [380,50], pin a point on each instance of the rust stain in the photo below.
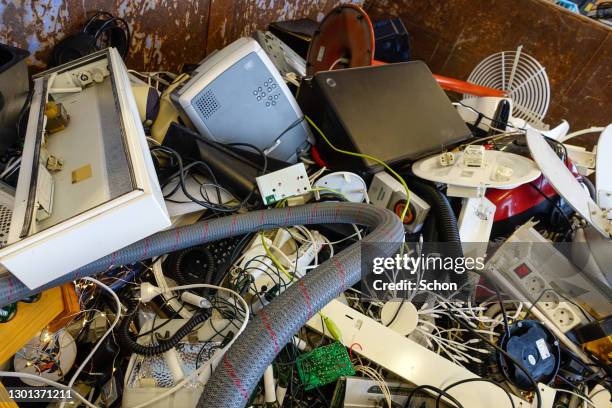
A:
[243,17]
[452,36]
[165,33]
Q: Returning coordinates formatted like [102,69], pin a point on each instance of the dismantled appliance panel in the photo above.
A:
[85,172]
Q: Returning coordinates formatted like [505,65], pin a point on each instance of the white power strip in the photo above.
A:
[565,315]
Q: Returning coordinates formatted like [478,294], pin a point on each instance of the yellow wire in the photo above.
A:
[329,323]
[367,156]
[275,259]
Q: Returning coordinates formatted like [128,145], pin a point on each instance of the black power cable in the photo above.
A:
[130,345]
[194,265]
[440,392]
[101,30]
[474,380]
[506,355]
[503,310]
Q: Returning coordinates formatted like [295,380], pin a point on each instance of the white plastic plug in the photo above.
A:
[149,291]
[446,159]
[195,300]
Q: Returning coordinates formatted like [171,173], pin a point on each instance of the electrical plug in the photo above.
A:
[149,291]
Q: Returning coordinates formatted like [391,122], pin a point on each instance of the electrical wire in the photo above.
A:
[492,120]
[101,340]
[506,355]
[181,174]
[475,380]
[582,397]
[214,359]
[368,157]
[434,389]
[503,310]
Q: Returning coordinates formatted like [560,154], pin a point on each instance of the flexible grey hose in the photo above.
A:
[12,290]
[245,362]
[243,365]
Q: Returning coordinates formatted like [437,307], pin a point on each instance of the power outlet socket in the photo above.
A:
[565,317]
[563,314]
[550,300]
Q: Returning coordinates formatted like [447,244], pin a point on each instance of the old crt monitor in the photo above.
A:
[237,95]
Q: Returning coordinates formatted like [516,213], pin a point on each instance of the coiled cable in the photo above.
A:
[131,345]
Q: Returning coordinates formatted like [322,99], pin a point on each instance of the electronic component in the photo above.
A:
[477,171]
[536,348]
[503,173]
[535,268]
[107,180]
[409,360]
[324,365]
[386,192]
[49,355]
[474,156]
[285,59]
[374,111]
[364,393]
[284,183]
[392,40]
[237,95]
[446,159]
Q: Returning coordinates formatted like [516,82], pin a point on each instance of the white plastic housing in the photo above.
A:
[115,201]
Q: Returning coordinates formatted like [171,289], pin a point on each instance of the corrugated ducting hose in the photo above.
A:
[243,365]
[245,362]
[445,221]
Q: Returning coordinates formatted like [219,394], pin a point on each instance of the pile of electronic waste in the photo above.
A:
[216,226]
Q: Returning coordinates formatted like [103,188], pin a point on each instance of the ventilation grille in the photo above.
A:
[5,224]
[206,104]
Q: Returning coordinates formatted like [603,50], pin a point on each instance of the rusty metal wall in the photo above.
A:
[452,36]
[230,20]
[164,32]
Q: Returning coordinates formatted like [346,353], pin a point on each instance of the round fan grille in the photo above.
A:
[522,77]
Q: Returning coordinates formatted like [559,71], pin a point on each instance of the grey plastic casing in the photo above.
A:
[236,95]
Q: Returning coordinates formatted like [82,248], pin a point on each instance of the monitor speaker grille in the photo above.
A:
[206,104]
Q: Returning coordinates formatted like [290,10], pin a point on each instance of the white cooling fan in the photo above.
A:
[522,77]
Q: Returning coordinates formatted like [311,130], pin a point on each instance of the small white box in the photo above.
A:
[473,156]
[288,182]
